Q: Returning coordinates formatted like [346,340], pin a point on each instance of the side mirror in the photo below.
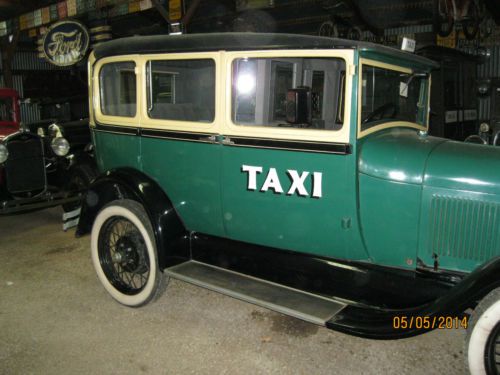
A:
[298,106]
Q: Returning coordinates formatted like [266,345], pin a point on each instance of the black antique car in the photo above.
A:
[45,164]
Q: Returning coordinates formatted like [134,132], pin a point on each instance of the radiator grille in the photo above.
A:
[25,167]
[464,228]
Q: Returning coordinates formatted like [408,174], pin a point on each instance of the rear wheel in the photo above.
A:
[483,336]
[124,254]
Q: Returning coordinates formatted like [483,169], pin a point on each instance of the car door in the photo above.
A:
[180,122]
[288,185]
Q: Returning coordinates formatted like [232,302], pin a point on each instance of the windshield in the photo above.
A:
[6,110]
[389,95]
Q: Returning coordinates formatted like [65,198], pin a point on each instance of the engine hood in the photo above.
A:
[464,166]
[396,154]
[402,155]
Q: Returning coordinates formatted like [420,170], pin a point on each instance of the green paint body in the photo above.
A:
[397,198]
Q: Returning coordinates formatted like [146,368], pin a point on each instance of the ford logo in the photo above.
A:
[66,43]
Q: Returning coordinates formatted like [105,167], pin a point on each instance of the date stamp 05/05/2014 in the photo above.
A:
[428,322]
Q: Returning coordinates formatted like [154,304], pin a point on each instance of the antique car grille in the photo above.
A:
[464,228]
[25,167]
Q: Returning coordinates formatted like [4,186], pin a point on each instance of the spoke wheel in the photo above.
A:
[482,343]
[124,254]
[492,352]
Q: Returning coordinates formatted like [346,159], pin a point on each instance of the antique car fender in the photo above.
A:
[379,323]
[128,183]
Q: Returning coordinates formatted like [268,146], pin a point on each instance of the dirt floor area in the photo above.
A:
[56,318]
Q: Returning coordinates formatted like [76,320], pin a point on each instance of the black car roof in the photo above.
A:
[241,42]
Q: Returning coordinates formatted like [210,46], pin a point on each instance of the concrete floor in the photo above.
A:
[55,318]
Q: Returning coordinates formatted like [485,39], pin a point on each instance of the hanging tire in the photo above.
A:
[328,29]
[443,20]
[483,336]
[124,254]
[470,25]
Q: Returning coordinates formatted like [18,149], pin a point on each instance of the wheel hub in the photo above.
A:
[128,255]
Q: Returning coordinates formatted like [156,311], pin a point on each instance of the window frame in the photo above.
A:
[96,88]
[301,134]
[178,125]
[390,124]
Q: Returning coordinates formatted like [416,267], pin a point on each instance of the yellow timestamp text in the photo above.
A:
[428,322]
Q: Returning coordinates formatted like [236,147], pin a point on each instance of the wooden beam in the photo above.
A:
[163,12]
[190,12]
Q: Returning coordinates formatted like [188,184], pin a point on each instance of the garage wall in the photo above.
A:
[490,69]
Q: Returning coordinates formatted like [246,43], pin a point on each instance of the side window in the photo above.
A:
[261,86]
[118,89]
[182,90]
[388,95]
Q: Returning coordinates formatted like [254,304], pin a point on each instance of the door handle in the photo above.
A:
[210,138]
[226,141]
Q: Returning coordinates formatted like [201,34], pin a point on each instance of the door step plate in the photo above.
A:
[306,306]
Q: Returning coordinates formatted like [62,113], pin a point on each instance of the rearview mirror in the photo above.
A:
[298,106]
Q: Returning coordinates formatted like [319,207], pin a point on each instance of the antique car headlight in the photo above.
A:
[60,146]
[4,153]
[54,131]
[484,127]
[40,132]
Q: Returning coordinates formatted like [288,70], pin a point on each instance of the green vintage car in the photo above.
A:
[296,173]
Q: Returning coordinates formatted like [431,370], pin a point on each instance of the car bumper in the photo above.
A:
[47,200]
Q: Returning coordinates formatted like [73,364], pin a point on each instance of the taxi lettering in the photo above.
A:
[272,181]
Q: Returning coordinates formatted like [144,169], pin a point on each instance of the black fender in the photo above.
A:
[172,239]
[83,157]
[378,324]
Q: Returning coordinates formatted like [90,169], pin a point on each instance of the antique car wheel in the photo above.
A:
[483,336]
[79,180]
[124,254]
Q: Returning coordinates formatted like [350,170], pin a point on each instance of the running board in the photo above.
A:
[306,306]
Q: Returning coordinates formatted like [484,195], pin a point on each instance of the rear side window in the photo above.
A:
[118,87]
[261,87]
[182,90]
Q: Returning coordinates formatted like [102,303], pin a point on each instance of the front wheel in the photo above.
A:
[124,254]
[483,336]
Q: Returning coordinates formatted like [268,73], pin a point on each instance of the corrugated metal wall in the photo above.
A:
[27,60]
[490,69]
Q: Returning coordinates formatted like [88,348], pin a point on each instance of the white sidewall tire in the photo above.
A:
[479,336]
[149,290]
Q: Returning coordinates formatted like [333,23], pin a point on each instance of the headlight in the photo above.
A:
[40,132]
[484,127]
[54,131]
[60,146]
[4,153]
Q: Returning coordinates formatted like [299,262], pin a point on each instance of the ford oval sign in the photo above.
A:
[66,43]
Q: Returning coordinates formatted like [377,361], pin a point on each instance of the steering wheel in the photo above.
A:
[382,112]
